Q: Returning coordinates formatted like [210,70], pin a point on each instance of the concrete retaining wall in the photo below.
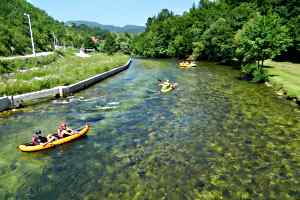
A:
[95,79]
[5,103]
[21,100]
[60,91]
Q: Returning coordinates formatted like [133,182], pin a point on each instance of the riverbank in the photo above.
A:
[64,71]
[284,78]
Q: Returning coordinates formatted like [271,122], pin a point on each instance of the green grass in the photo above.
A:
[64,71]
[8,66]
[286,76]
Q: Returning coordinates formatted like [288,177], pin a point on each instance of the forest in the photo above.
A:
[15,35]
[244,32]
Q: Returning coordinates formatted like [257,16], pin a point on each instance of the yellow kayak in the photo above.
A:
[187,65]
[183,65]
[39,147]
[165,89]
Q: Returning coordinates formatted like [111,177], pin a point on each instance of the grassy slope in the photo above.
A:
[286,75]
[64,71]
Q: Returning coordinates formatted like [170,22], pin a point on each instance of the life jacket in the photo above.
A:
[35,140]
[42,139]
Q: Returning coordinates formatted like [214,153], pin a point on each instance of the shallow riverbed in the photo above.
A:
[214,136]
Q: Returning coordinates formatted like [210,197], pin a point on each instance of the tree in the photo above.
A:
[209,31]
[110,44]
[164,14]
[294,51]
[261,38]
[124,43]
[198,49]
[239,15]
[218,41]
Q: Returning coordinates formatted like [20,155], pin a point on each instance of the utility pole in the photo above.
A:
[32,43]
[54,41]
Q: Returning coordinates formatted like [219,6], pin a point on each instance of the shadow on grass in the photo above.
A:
[268,67]
[273,75]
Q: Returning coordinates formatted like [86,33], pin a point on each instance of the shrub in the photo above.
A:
[254,73]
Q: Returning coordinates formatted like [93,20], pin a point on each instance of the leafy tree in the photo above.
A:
[124,43]
[239,15]
[155,42]
[198,49]
[261,38]
[294,50]
[177,47]
[218,41]
[164,14]
[110,45]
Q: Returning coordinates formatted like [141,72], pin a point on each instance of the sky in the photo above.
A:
[114,12]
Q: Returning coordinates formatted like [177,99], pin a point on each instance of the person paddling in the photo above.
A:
[166,84]
[37,138]
[62,131]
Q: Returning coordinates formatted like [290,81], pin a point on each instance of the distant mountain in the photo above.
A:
[111,28]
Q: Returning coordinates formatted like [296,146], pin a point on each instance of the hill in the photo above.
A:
[14,29]
[111,28]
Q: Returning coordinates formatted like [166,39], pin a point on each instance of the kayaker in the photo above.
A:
[51,138]
[37,138]
[64,131]
[174,85]
[165,84]
[34,139]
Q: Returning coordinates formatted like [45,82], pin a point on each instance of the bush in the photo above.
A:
[60,52]
[255,74]
[260,76]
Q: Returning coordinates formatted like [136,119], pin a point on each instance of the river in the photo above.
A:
[214,136]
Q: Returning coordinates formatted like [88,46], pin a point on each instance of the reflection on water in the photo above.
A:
[212,137]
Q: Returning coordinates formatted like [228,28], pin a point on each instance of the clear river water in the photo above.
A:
[213,137]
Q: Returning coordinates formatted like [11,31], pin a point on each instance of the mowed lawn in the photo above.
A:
[65,71]
[285,75]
